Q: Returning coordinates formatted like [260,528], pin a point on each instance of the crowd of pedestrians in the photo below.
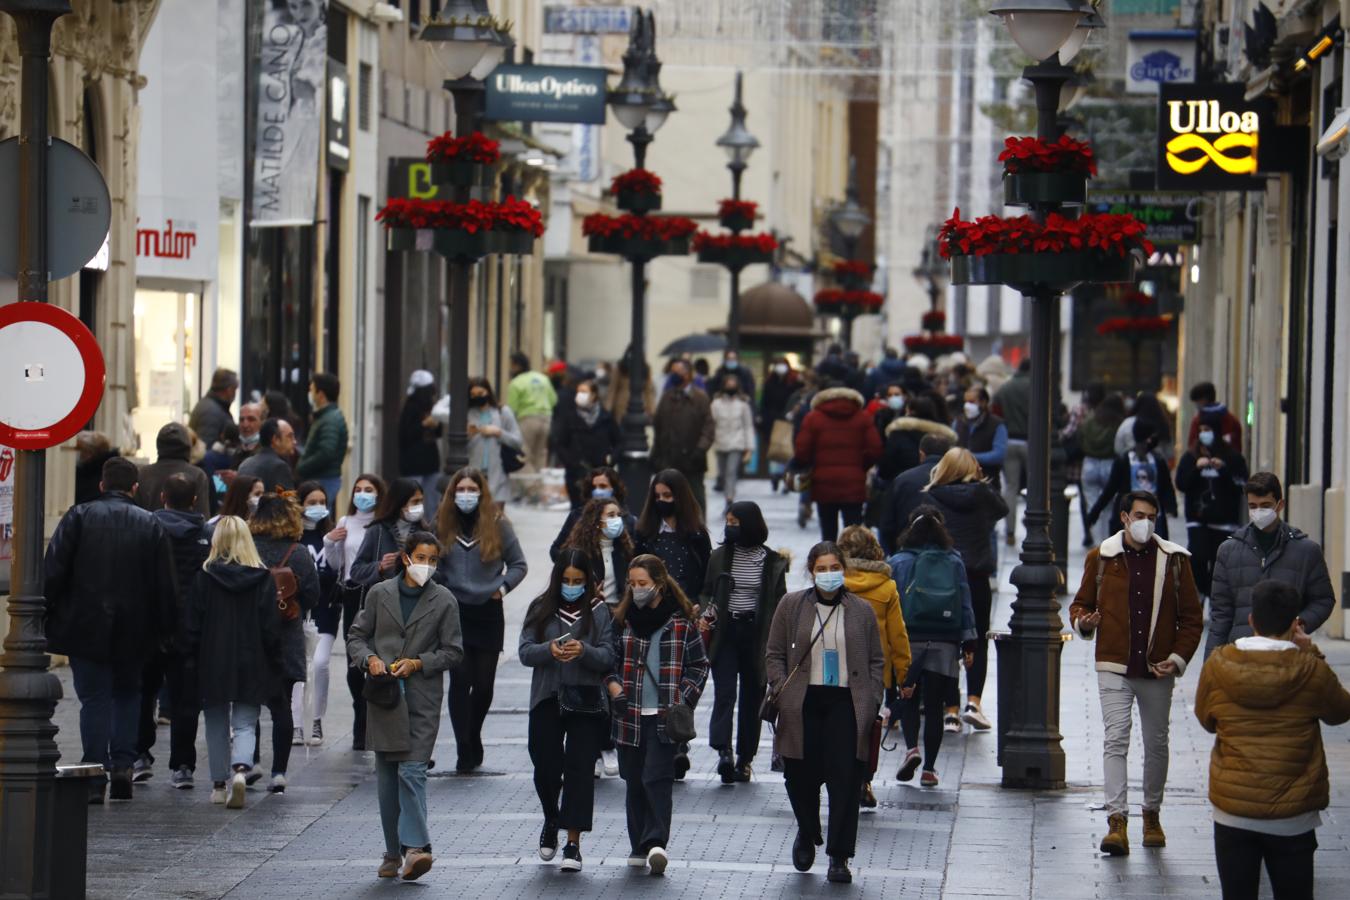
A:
[217,580]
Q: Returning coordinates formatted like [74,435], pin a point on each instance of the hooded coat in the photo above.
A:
[871,580]
[1264,706]
[971,510]
[839,443]
[903,436]
[234,633]
[1296,560]
[174,445]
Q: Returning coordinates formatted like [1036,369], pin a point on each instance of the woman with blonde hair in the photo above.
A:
[482,561]
[867,575]
[233,633]
[971,509]
[659,663]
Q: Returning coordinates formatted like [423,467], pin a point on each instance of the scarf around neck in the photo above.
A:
[646,621]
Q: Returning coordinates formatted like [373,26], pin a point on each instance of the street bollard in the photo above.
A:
[70,827]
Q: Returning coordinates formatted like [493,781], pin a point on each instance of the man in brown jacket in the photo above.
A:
[1263,697]
[683,430]
[1138,599]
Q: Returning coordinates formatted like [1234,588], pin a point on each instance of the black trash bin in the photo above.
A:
[70,827]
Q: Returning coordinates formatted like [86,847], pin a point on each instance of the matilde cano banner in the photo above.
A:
[291,69]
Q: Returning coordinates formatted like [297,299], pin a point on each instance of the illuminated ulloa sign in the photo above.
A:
[1209,138]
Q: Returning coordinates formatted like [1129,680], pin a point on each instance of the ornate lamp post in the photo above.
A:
[738,143]
[849,220]
[470,43]
[642,107]
[1029,661]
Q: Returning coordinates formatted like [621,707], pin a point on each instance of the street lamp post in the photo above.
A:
[738,143]
[470,44]
[642,107]
[850,220]
[28,691]
[1030,750]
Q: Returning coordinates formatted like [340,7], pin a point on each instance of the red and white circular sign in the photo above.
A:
[51,375]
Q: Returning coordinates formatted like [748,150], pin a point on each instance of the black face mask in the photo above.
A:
[665,508]
[733,534]
[477,401]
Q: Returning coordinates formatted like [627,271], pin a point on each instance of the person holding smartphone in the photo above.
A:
[565,641]
[408,628]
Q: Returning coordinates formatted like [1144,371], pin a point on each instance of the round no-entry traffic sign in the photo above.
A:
[51,375]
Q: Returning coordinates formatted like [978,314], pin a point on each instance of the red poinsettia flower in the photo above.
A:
[1104,232]
[472,217]
[934,344]
[856,268]
[838,296]
[517,215]
[1030,154]
[636,181]
[934,320]
[762,243]
[1136,326]
[652,228]
[475,147]
[744,209]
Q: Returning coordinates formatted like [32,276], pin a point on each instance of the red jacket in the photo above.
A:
[839,443]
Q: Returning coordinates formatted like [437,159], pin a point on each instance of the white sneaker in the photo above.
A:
[235,788]
[974,717]
[657,859]
[637,861]
[278,785]
[218,796]
[599,768]
[611,760]
[951,723]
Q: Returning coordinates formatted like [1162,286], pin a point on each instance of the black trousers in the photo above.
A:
[283,727]
[932,691]
[185,706]
[830,513]
[1288,861]
[982,598]
[1203,542]
[738,660]
[563,749]
[648,772]
[356,678]
[470,698]
[152,679]
[830,758]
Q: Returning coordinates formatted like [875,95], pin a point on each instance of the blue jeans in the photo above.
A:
[331,486]
[402,789]
[110,709]
[243,717]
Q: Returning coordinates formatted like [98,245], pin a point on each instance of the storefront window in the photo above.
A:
[278,315]
[166,372]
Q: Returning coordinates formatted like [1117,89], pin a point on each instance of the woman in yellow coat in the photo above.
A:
[867,575]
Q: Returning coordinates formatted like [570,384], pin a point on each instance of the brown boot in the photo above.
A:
[1117,840]
[1153,831]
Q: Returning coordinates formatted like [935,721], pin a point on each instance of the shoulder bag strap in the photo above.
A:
[809,647]
[287,558]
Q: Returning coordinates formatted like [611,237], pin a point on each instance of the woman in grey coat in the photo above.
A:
[824,662]
[566,642]
[409,628]
[491,426]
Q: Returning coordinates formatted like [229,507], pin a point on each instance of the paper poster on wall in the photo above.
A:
[6,505]
[291,71]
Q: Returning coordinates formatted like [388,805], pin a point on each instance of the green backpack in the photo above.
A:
[931,599]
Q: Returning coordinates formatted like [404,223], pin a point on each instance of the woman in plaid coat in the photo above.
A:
[659,661]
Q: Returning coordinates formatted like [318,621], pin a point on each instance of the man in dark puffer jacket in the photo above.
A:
[1267,547]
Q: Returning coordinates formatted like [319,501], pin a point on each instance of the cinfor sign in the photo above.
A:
[1209,138]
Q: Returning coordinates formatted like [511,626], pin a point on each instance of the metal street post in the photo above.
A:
[738,143]
[28,691]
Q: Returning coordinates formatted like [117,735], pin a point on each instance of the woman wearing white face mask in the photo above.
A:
[409,628]
[1210,476]
[584,436]
[316,523]
[482,562]
[401,512]
[493,430]
[826,668]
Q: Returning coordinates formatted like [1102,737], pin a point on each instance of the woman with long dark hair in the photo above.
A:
[316,522]
[482,562]
[658,662]
[600,483]
[240,499]
[419,438]
[932,580]
[584,436]
[341,547]
[825,665]
[401,511]
[744,583]
[566,642]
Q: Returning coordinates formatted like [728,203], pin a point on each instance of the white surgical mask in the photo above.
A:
[467,502]
[1207,438]
[1141,530]
[364,501]
[780,370]
[896,402]
[253,504]
[584,399]
[613,527]
[420,572]
[248,440]
[972,410]
[644,596]
[316,513]
[413,513]
[1263,518]
[829,582]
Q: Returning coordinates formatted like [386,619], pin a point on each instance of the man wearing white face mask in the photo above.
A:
[1266,548]
[1138,600]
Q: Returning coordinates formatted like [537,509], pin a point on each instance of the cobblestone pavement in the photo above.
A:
[969,838]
